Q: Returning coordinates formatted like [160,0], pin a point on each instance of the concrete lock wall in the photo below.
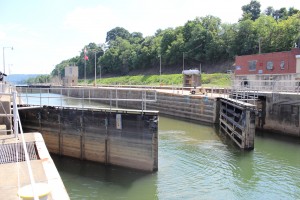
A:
[122,138]
[279,113]
[199,108]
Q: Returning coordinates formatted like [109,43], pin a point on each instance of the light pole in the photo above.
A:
[4,57]
[100,73]
[95,69]
[183,61]
[187,53]
[159,70]
[85,70]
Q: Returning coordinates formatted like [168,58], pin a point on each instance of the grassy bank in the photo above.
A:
[217,79]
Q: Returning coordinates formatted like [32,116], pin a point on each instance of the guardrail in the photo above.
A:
[81,96]
[292,86]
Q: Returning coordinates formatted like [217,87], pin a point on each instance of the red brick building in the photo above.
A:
[279,66]
[268,63]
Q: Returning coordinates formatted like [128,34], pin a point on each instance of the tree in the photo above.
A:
[266,28]
[251,10]
[136,37]
[227,35]
[246,38]
[39,79]
[292,11]
[282,13]
[203,40]
[288,33]
[117,32]
[270,11]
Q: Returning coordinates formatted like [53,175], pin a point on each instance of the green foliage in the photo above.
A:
[251,11]
[204,40]
[113,34]
[282,13]
[39,79]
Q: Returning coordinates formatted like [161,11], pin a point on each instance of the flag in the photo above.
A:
[85,56]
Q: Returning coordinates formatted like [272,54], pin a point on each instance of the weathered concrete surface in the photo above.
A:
[98,135]
[279,113]
[191,107]
[44,170]
[169,102]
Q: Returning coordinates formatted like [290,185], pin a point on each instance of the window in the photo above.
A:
[252,65]
[270,65]
[282,64]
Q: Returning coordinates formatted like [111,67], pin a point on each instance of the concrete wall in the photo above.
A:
[97,135]
[280,113]
[190,107]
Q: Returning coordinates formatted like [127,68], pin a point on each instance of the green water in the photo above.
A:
[194,163]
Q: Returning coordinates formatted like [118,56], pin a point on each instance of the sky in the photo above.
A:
[45,32]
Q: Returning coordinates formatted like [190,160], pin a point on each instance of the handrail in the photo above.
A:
[112,95]
[292,86]
[17,122]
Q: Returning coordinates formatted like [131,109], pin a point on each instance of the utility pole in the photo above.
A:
[259,45]
[159,70]
[95,84]
[183,61]
[85,72]
[4,57]
[100,73]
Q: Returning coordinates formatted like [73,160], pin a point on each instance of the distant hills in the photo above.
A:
[17,79]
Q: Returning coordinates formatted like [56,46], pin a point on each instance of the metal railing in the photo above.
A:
[291,86]
[18,151]
[111,97]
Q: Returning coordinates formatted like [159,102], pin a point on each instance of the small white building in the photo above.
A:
[71,76]
[191,78]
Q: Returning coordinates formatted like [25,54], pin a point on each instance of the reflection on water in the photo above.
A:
[59,100]
[89,180]
[194,163]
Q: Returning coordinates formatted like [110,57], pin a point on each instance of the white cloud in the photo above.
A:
[91,21]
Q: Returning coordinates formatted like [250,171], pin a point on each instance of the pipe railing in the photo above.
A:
[83,96]
[292,86]
[17,124]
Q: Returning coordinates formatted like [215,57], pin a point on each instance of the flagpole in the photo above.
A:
[85,71]
[85,58]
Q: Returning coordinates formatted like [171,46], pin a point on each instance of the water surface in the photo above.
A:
[194,163]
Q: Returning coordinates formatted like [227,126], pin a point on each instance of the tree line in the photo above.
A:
[203,40]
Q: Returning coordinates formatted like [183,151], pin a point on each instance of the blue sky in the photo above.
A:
[45,32]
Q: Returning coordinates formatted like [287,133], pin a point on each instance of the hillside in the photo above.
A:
[17,79]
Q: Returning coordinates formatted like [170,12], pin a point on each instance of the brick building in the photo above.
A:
[263,69]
